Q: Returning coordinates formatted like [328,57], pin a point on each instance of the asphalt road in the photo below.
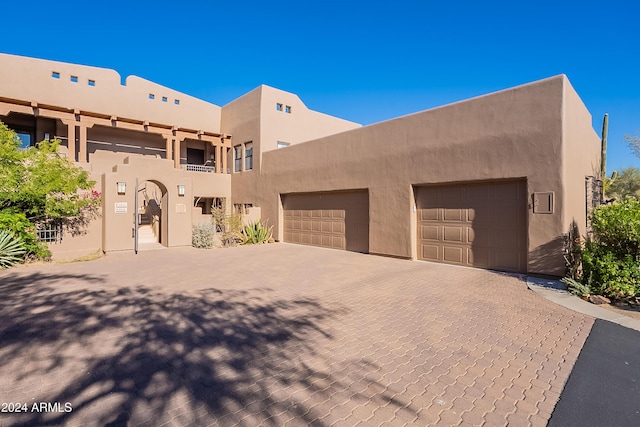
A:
[604,387]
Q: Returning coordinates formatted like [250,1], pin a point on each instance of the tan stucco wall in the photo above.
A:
[581,156]
[176,220]
[254,117]
[82,241]
[29,79]
[516,133]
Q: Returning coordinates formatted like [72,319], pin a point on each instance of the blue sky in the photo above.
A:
[362,61]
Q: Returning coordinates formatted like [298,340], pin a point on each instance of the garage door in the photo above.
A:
[478,225]
[338,220]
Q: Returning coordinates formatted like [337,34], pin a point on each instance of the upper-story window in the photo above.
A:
[279,107]
[237,157]
[91,82]
[55,74]
[287,109]
[248,156]
[152,96]
[74,79]
[164,99]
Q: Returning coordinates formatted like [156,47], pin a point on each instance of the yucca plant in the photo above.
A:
[256,232]
[11,249]
[576,288]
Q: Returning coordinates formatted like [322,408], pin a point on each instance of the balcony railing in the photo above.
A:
[199,168]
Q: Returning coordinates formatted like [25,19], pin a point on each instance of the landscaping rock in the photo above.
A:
[599,299]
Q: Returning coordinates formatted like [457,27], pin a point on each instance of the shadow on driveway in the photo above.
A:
[141,356]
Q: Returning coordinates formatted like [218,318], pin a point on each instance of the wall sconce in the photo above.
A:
[122,187]
[181,190]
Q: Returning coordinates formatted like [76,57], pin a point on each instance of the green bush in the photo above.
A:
[18,225]
[11,249]
[617,227]
[256,233]
[203,235]
[610,259]
[608,273]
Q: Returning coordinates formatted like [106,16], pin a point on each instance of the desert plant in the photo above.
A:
[608,273]
[617,227]
[256,233]
[18,225]
[203,235]
[218,217]
[576,288]
[572,252]
[232,234]
[11,249]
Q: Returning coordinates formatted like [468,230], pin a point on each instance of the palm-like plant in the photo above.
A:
[11,249]
[256,232]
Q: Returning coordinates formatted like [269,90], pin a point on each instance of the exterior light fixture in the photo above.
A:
[181,190]
[122,187]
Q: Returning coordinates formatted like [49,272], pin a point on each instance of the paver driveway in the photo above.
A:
[279,335]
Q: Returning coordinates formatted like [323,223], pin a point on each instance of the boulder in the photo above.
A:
[599,299]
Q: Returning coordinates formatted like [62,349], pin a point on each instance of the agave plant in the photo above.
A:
[11,249]
[256,232]
[576,288]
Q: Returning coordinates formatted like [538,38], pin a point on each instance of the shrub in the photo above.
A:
[11,249]
[232,234]
[617,227]
[203,235]
[608,273]
[218,217]
[256,233]
[18,225]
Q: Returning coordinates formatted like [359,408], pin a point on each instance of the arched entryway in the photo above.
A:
[152,214]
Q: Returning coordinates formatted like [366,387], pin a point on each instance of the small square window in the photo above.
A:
[152,96]
[91,82]
[287,109]
[74,79]
[164,99]
[279,107]
[55,74]
[177,102]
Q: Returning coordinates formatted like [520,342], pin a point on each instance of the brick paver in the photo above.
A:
[279,335]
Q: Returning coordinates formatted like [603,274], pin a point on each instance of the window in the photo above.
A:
[279,107]
[25,139]
[283,144]
[74,79]
[248,156]
[176,101]
[91,82]
[287,109]
[237,156]
[55,74]
[164,99]
[152,96]
[50,232]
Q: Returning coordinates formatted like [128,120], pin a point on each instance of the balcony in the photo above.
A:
[199,168]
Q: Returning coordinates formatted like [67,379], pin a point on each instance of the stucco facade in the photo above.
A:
[267,150]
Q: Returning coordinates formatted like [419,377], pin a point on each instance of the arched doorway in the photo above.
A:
[152,215]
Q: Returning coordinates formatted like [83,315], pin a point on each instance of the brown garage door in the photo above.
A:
[338,220]
[478,225]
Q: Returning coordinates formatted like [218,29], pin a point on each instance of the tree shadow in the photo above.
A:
[140,356]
